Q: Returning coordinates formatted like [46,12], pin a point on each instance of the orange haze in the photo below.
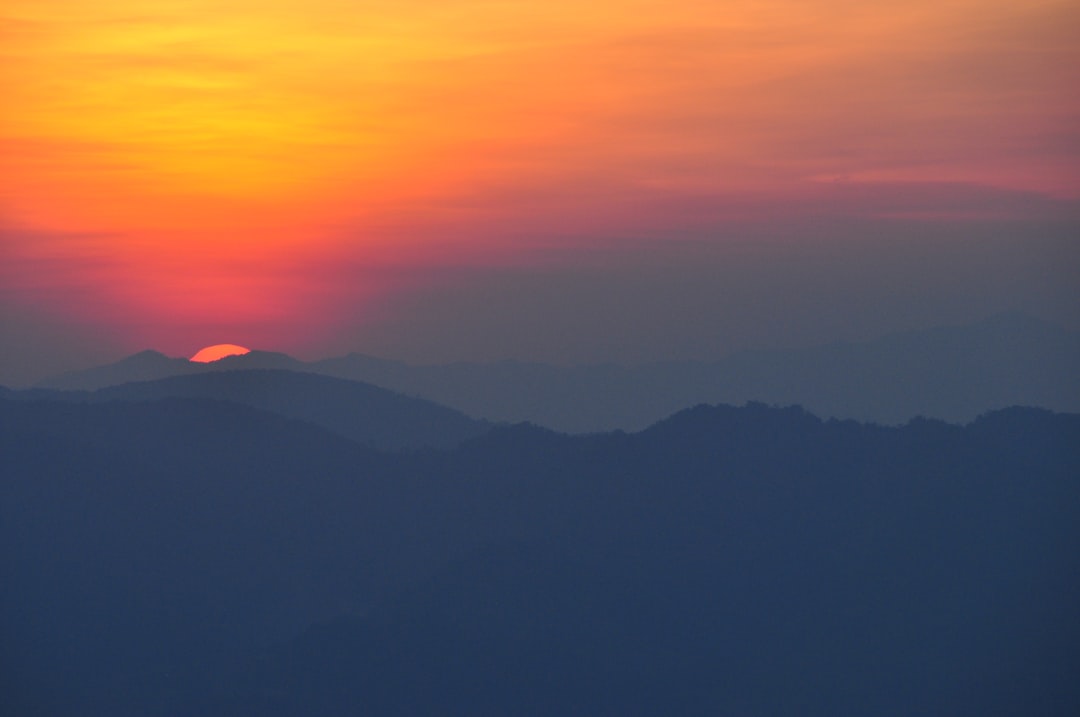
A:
[272,168]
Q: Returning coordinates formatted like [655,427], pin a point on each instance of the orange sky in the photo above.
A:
[183,172]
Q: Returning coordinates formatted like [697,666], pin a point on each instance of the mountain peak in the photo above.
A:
[142,366]
[145,355]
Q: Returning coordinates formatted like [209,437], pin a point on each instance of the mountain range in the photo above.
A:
[188,555]
[950,373]
[367,414]
[266,536]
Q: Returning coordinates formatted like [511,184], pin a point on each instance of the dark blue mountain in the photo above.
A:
[367,414]
[187,556]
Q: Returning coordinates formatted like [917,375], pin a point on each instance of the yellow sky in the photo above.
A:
[188,134]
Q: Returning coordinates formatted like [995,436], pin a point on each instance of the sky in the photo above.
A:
[437,180]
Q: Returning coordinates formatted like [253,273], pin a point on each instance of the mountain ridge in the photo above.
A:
[367,414]
[191,556]
[953,373]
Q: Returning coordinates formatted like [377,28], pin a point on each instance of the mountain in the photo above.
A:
[364,413]
[143,366]
[153,365]
[951,373]
[190,556]
[143,544]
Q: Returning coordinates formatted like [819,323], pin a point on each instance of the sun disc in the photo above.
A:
[218,351]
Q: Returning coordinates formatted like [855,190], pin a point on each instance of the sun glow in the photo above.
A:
[218,351]
[240,164]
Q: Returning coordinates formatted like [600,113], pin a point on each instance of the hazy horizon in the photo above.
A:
[23,375]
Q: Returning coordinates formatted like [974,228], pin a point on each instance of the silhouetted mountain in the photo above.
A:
[187,556]
[145,544]
[367,414]
[152,365]
[951,373]
[143,366]
[257,360]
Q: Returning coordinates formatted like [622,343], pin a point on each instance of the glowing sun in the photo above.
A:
[218,351]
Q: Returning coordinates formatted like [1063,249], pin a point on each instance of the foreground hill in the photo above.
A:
[952,373]
[187,556]
[367,414]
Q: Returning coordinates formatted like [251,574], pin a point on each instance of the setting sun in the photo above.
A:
[322,175]
[218,351]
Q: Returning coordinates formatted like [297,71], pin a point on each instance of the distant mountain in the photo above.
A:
[143,366]
[187,556]
[370,415]
[152,365]
[951,373]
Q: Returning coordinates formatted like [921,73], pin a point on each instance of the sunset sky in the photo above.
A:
[566,181]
